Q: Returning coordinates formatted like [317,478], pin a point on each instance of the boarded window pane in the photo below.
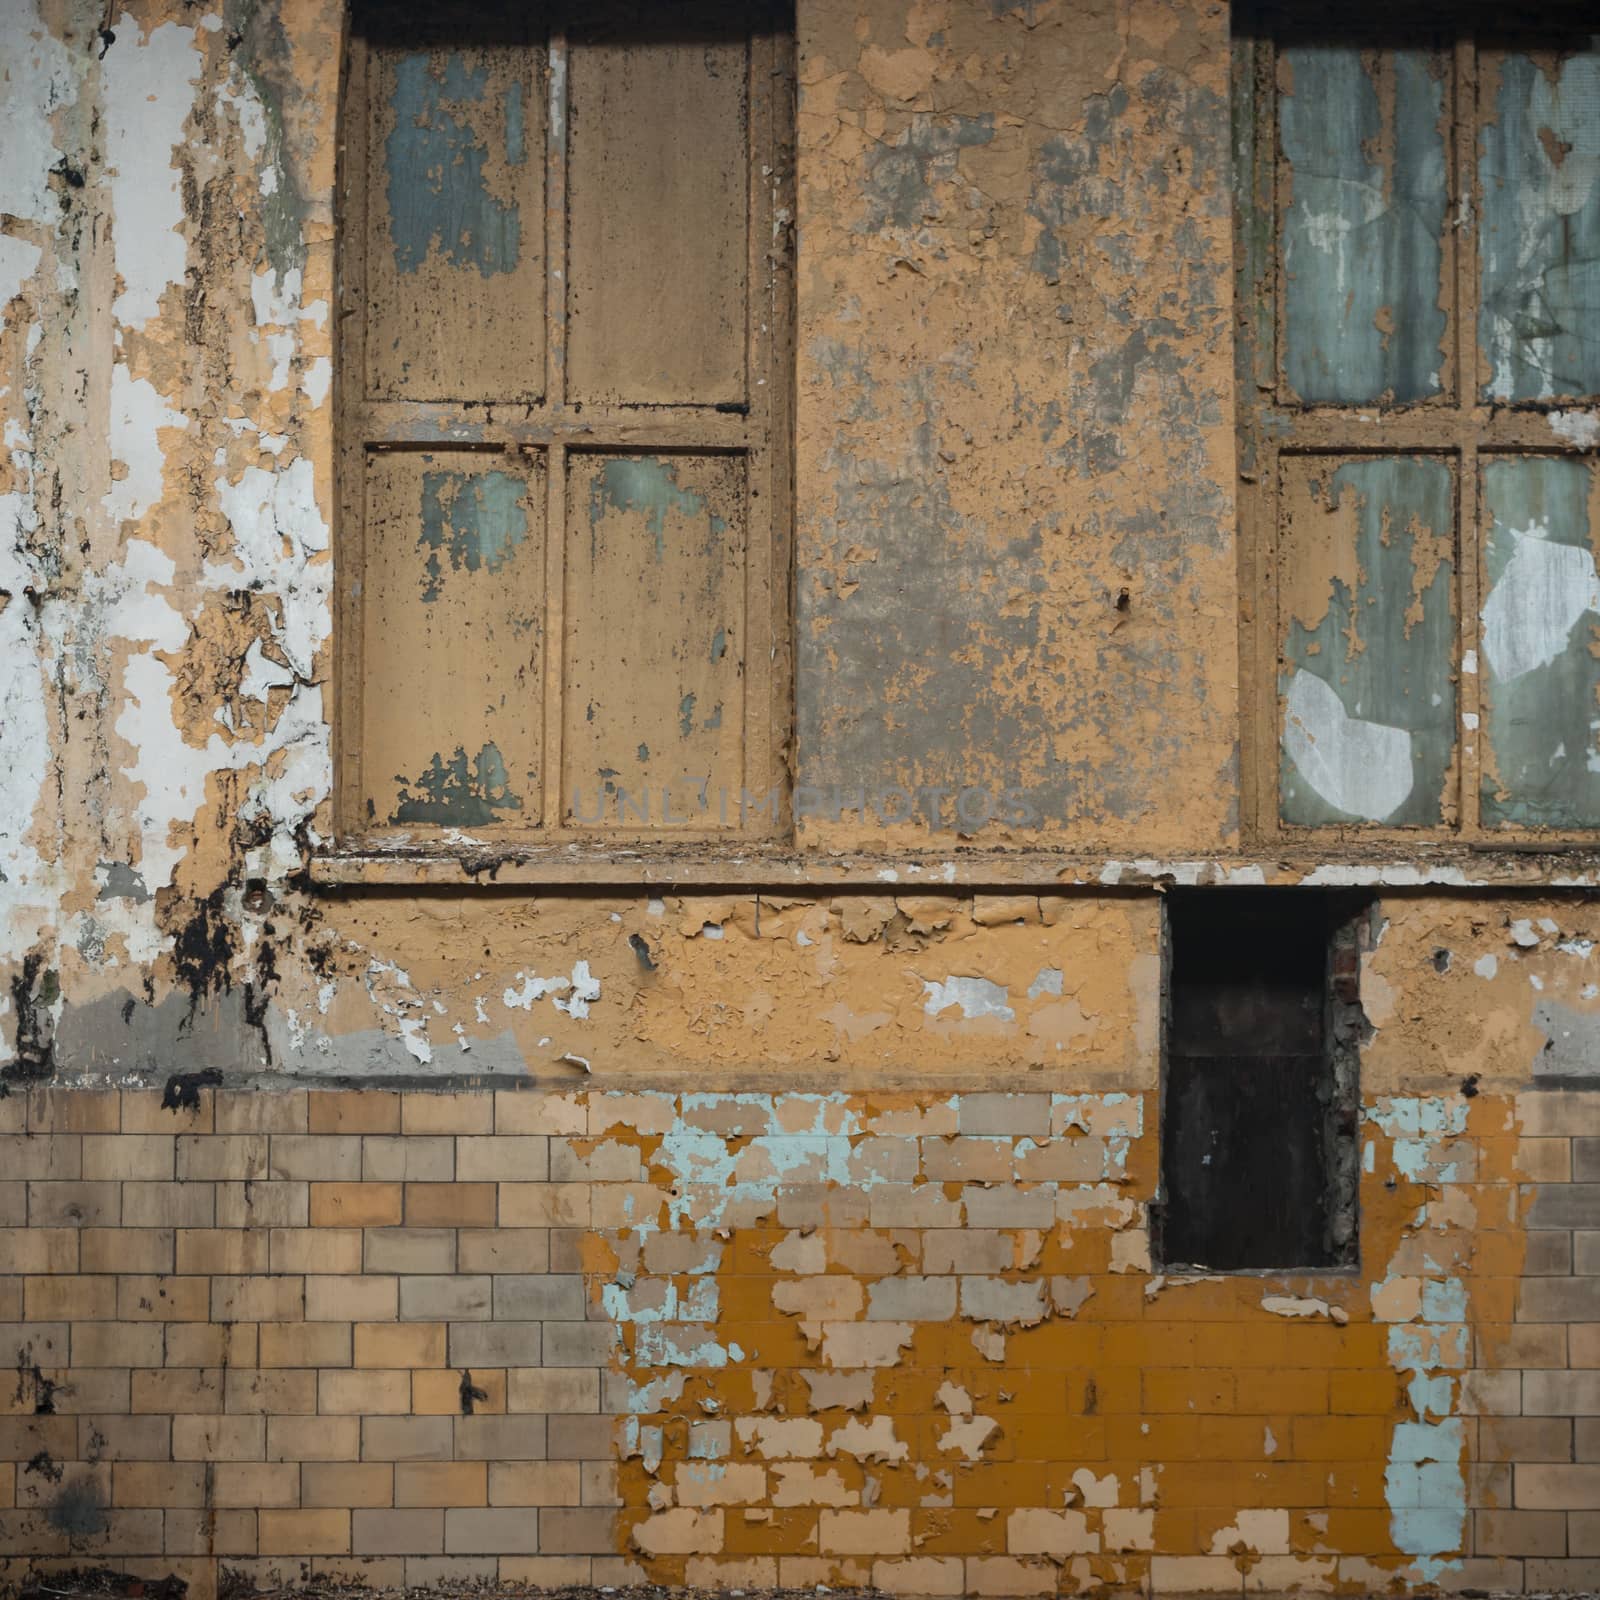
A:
[658,230]
[1539,168]
[655,637]
[455,237]
[1367,640]
[1541,643]
[453,594]
[1363,136]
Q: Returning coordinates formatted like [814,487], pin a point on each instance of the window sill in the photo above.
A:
[697,865]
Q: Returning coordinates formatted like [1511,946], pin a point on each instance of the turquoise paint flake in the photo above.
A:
[647,486]
[516,129]
[435,160]
[473,521]
[643,1399]
[458,791]
[1416,1115]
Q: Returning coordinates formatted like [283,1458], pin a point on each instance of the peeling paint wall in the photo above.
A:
[171,521]
[845,1166]
[1014,497]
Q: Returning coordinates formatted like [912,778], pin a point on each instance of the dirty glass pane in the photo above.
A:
[1364,199]
[655,640]
[659,170]
[455,224]
[1539,169]
[1367,640]
[1541,643]
[452,600]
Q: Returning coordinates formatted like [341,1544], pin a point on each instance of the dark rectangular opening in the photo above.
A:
[1260,1099]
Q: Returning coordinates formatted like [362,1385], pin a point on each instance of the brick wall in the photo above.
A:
[913,1340]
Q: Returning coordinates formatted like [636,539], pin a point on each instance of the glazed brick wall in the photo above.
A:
[910,1340]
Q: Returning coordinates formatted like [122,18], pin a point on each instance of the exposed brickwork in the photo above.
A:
[912,1340]
[276,1332]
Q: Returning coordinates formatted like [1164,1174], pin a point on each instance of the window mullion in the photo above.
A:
[349,388]
[556,400]
[1468,553]
[1256,485]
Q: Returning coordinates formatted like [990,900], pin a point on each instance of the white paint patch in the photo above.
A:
[1100,1493]
[138,414]
[1581,429]
[391,990]
[30,883]
[1048,981]
[171,772]
[977,997]
[869,1441]
[317,380]
[277,306]
[280,546]
[1536,603]
[581,988]
[18,262]
[414,1036]
[37,81]
[968,1435]
[148,92]
[293,756]
[1286,1305]
[1486,966]
[1360,768]
[249,112]
[1265,1532]
[585,988]
[124,600]
[262,674]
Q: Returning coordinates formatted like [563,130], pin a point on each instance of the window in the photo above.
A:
[1419,293]
[565,411]
[1261,1093]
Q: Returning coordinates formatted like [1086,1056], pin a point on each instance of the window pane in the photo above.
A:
[655,638]
[1363,138]
[453,594]
[1541,636]
[658,240]
[455,236]
[1366,610]
[1539,168]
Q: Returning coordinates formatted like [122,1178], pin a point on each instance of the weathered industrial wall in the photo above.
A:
[1014,539]
[807,1237]
[912,1340]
